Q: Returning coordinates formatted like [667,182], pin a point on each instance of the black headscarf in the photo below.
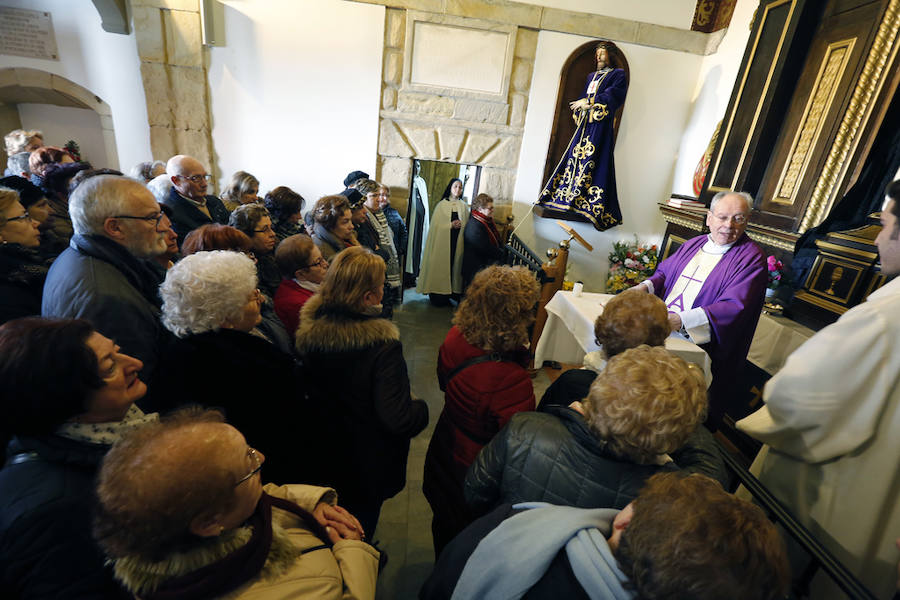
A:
[450,185]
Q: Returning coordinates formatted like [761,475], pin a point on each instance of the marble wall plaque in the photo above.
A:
[463,58]
[27,33]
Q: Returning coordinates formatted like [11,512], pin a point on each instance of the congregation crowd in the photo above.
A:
[207,397]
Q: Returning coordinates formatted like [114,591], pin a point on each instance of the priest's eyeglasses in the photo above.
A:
[736,219]
[254,455]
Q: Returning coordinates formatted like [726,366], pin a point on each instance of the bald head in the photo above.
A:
[188,176]
[160,477]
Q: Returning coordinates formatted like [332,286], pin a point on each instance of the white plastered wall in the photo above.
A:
[656,109]
[105,63]
[713,90]
[296,91]
[63,123]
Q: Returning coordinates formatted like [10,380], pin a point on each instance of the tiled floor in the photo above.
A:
[404,528]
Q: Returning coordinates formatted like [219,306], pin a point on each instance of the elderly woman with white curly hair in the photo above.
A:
[211,304]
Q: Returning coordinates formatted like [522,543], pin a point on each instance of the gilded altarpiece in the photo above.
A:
[817,81]
[812,91]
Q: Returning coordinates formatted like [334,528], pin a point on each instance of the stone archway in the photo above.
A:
[20,85]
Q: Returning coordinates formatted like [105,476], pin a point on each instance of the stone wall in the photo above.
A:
[456,125]
[452,125]
[173,69]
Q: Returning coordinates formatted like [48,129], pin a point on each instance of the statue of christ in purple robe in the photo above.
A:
[714,287]
[584,181]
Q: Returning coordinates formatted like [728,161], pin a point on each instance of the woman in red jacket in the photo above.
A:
[303,269]
[481,369]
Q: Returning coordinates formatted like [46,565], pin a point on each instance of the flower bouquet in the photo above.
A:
[776,272]
[630,264]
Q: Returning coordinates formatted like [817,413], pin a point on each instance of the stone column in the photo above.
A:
[174,66]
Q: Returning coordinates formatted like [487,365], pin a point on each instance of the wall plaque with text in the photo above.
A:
[27,33]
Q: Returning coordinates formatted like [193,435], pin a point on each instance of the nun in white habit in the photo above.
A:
[441,274]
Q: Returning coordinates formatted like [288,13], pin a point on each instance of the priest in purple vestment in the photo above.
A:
[714,287]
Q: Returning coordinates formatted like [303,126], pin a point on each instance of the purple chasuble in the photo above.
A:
[732,297]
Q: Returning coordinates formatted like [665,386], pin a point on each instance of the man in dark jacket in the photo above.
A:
[103,275]
[600,451]
[191,206]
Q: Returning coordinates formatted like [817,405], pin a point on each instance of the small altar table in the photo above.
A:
[569,332]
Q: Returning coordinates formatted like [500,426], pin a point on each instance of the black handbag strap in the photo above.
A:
[490,357]
[493,356]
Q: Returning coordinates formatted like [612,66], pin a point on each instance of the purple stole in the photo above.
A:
[732,297]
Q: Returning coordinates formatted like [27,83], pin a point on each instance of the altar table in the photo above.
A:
[569,332]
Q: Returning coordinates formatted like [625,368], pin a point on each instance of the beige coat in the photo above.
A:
[435,276]
[347,571]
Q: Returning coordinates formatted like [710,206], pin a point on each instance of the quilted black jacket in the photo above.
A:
[699,454]
[553,457]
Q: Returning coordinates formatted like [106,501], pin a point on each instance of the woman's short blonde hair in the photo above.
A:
[8,198]
[646,402]
[353,272]
[205,290]
[18,140]
[630,319]
[240,184]
[498,308]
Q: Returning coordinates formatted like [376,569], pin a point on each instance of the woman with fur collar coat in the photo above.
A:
[360,402]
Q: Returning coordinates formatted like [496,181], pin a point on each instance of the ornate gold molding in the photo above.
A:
[829,306]
[770,240]
[870,82]
[831,70]
[869,256]
[684,222]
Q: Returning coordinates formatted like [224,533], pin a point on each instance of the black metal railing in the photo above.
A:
[519,254]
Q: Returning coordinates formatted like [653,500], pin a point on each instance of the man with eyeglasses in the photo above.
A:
[105,275]
[190,204]
[714,286]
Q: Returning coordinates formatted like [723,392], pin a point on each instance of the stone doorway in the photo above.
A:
[433,177]
[33,86]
